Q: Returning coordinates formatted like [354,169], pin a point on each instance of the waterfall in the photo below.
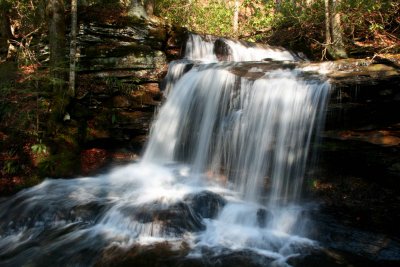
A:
[252,131]
[208,48]
[222,171]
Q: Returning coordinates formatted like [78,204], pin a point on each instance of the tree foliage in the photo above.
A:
[366,23]
[288,22]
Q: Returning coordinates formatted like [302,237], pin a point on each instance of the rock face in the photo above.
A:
[357,171]
[120,67]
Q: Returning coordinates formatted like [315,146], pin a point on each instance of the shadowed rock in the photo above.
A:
[222,50]
[174,219]
[263,217]
[206,204]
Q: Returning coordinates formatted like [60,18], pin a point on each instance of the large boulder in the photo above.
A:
[206,204]
[222,50]
[170,220]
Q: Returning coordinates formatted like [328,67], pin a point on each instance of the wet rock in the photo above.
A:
[241,258]
[335,233]
[355,180]
[222,50]
[175,219]
[387,137]
[120,101]
[176,40]
[32,215]
[355,71]
[263,217]
[157,255]
[319,258]
[256,70]
[206,204]
[395,167]
[365,104]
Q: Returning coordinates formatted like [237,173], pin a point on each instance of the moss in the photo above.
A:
[8,72]
[62,164]
[32,181]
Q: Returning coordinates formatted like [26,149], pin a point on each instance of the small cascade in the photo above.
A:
[199,49]
[213,49]
[221,174]
[175,71]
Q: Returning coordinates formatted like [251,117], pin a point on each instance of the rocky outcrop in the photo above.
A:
[121,65]
[358,164]
[166,220]
[119,72]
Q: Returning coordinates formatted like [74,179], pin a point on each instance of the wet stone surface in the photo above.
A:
[206,204]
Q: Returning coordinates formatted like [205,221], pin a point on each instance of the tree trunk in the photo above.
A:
[149,7]
[56,23]
[328,35]
[333,30]
[72,54]
[136,9]
[5,33]
[236,18]
[337,30]
[309,3]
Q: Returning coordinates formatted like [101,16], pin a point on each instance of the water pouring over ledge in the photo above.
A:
[222,173]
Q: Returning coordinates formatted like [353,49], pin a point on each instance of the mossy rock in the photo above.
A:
[62,164]
[139,60]
[115,49]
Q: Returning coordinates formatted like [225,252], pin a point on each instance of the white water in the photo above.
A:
[246,140]
[203,50]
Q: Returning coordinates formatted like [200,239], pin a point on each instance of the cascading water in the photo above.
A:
[222,170]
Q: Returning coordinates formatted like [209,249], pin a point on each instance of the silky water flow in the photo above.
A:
[223,170]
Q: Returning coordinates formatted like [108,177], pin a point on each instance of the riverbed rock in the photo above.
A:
[263,217]
[170,220]
[329,259]
[206,204]
[238,259]
[352,244]
[156,255]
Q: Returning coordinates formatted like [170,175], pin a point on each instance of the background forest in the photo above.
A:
[361,26]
